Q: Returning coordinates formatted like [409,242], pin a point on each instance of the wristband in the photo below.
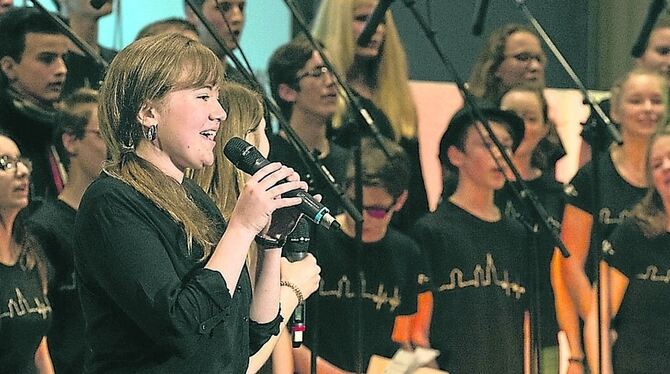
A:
[295,289]
[576,360]
[267,242]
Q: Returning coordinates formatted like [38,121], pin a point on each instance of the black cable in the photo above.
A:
[306,157]
[237,43]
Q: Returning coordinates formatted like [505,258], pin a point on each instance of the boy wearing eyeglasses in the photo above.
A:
[476,254]
[391,274]
[305,91]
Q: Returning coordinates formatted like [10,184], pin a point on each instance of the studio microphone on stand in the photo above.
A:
[248,159]
[480,17]
[375,19]
[655,9]
[295,249]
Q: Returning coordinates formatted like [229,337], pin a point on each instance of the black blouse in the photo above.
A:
[148,302]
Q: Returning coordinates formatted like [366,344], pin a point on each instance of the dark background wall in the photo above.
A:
[563,20]
[595,36]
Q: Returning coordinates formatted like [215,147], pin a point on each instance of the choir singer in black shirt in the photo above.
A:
[161,276]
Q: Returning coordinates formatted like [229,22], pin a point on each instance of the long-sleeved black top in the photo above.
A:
[149,304]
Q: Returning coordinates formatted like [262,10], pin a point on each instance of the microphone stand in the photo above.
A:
[596,133]
[521,192]
[352,102]
[303,153]
[349,96]
[308,159]
[67,31]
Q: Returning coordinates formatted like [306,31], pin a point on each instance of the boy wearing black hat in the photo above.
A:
[476,253]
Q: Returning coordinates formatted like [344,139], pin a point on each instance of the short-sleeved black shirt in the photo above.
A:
[53,226]
[550,195]
[391,275]
[617,198]
[149,304]
[25,314]
[477,274]
[642,322]
[336,162]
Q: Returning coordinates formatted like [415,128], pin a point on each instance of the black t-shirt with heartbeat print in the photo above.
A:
[642,322]
[25,314]
[617,198]
[477,271]
[390,268]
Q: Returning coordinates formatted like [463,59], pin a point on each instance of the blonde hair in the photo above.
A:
[333,27]
[649,213]
[223,181]
[616,92]
[145,72]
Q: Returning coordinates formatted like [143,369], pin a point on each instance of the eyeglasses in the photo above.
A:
[526,58]
[8,163]
[318,72]
[379,212]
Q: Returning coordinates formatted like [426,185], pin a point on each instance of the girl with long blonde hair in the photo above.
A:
[639,106]
[378,71]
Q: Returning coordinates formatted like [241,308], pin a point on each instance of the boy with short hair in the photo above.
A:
[476,253]
[391,274]
[32,75]
[305,91]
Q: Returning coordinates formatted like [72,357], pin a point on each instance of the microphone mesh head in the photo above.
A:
[234,149]
[244,156]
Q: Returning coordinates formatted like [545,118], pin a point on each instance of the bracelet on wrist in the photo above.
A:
[295,289]
[576,360]
[267,242]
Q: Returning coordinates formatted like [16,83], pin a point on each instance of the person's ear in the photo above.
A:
[8,66]
[148,115]
[70,143]
[456,156]
[287,93]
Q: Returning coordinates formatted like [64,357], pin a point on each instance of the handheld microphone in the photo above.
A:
[375,19]
[295,249]
[248,159]
[480,17]
[97,4]
[655,9]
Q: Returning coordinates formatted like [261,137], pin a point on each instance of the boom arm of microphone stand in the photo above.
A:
[348,93]
[303,153]
[595,108]
[525,194]
[313,163]
[67,31]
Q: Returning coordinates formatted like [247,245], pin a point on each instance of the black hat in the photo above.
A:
[463,119]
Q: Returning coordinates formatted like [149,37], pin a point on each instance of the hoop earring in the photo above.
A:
[150,134]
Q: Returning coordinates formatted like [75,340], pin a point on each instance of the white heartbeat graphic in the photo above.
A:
[21,306]
[380,298]
[652,275]
[484,277]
